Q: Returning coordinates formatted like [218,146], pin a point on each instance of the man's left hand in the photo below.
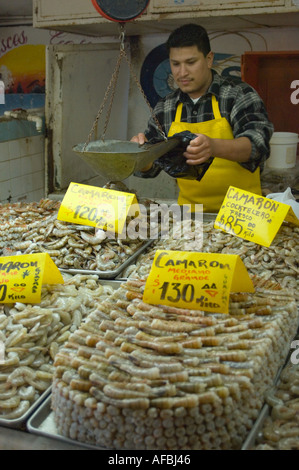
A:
[199,150]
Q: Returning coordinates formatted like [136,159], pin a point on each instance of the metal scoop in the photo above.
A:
[116,160]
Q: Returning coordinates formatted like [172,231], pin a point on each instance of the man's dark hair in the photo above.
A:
[190,35]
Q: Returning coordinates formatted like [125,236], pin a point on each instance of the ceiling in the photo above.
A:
[15,12]
[20,12]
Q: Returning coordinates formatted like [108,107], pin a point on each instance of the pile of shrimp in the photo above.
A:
[138,376]
[34,228]
[17,218]
[31,336]
[280,429]
[279,262]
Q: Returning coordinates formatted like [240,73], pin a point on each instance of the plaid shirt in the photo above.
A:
[238,102]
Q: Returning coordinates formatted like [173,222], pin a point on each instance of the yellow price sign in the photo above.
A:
[22,277]
[96,207]
[252,217]
[197,281]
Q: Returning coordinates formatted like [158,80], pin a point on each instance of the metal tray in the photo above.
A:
[207,217]
[20,423]
[253,436]
[116,272]
[42,423]
[256,430]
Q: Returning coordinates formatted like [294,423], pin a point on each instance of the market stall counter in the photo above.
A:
[11,439]
[126,374]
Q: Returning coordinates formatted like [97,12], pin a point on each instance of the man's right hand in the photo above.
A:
[139,138]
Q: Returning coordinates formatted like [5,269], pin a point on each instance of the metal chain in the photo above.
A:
[114,80]
[112,87]
[145,98]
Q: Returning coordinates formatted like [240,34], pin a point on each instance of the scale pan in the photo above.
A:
[116,160]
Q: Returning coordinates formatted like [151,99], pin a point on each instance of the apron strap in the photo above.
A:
[178,114]
[215,107]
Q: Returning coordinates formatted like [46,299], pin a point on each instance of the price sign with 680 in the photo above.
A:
[238,226]
[252,217]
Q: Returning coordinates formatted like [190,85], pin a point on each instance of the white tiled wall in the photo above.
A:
[22,170]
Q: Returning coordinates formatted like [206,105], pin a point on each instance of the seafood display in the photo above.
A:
[33,334]
[280,430]
[129,375]
[34,228]
[16,219]
[138,376]
[279,262]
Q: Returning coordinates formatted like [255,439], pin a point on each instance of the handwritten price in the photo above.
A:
[185,293]
[236,225]
[87,213]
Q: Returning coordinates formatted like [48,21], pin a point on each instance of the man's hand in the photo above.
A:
[203,147]
[199,150]
[139,138]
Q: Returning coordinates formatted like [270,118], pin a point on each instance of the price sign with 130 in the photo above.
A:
[199,281]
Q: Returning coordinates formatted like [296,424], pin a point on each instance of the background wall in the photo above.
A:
[22,147]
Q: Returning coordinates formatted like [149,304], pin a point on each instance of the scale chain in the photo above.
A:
[111,88]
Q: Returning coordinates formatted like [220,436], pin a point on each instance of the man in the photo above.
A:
[227,115]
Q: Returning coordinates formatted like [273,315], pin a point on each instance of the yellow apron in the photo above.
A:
[211,190]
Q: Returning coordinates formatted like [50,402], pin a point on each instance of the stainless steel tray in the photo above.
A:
[207,217]
[256,430]
[253,436]
[16,439]
[114,283]
[42,423]
[20,423]
[116,272]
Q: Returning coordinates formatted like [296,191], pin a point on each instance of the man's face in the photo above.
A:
[191,69]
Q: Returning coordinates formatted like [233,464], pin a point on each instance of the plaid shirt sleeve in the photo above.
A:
[248,117]
[164,112]
[239,103]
